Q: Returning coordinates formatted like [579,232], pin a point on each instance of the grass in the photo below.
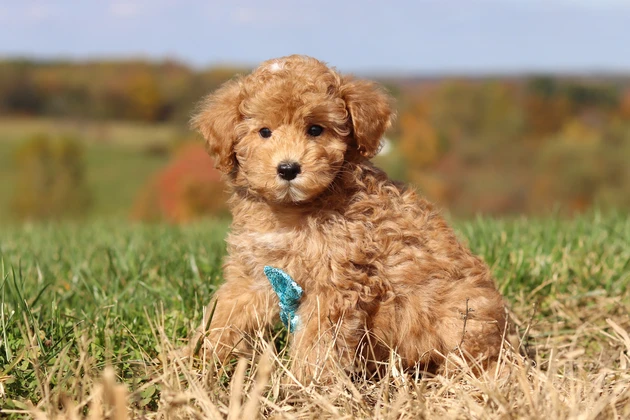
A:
[86,307]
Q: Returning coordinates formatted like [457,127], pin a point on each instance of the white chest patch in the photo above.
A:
[273,240]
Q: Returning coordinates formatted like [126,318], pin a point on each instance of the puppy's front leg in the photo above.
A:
[241,310]
[325,344]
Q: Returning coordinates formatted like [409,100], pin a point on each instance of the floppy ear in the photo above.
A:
[370,111]
[216,120]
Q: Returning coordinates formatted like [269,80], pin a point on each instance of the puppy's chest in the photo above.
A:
[302,254]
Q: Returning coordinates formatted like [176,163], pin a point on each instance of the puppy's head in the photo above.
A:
[284,131]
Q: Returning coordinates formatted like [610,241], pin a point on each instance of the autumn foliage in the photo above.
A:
[506,146]
[127,90]
[188,188]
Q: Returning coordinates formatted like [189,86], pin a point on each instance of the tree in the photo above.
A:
[51,179]
[188,188]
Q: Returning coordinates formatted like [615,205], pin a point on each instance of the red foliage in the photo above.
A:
[188,188]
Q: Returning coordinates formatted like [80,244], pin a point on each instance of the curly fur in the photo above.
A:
[380,269]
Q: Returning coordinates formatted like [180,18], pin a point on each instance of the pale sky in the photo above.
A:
[409,37]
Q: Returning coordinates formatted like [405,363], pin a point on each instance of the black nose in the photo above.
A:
[289,170]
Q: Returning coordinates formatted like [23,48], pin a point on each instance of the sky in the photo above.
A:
[396,37]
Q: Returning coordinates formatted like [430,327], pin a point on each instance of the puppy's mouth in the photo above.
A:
[292,191]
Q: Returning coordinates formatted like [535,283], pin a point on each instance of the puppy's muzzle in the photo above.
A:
[289,170]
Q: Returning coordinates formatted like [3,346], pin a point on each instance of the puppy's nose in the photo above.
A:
[289,170]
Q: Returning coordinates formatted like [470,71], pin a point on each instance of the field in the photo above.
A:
[87,306]
[119,157]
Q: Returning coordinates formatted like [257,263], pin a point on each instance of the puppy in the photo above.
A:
[380,269]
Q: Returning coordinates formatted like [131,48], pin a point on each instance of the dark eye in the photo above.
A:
[315,130]
[265,133]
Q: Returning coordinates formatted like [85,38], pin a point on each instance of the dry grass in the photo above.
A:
[576,366]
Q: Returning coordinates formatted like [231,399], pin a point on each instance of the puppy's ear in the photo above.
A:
[370,110]
[216,120]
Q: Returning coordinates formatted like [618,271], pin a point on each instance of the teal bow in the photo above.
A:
[289,293]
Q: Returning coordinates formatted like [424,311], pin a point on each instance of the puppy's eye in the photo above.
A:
[315,130]
[265,133]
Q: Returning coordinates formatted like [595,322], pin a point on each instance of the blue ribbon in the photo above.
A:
[289,293]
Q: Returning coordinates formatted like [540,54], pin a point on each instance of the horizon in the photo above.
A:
[396,74]
[426,37]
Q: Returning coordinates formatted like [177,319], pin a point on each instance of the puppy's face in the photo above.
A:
[291,141]
[284,131]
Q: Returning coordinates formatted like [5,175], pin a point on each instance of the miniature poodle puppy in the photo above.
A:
[381,271]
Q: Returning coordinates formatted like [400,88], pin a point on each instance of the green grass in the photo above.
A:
[76,297]
[100,281]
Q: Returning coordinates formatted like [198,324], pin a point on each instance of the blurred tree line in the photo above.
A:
[519,145]
[494,145]
[127,90]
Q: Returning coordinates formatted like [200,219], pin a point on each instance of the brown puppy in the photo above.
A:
[380,269]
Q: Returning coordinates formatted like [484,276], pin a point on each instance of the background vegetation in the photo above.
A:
[493,145]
